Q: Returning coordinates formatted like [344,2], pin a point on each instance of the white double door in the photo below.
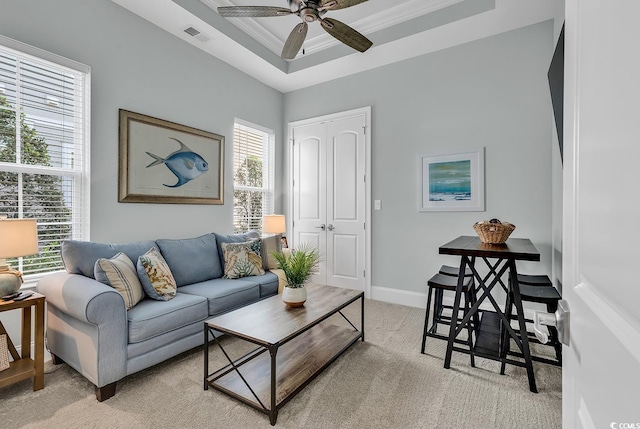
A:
[329,196]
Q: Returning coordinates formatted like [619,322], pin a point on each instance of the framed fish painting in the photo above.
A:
[451,181]
[165,162]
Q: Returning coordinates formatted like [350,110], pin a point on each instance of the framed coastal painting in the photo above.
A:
[451,181]
[165,162]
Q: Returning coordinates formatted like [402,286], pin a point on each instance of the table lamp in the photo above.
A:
[273,224]
[18,237]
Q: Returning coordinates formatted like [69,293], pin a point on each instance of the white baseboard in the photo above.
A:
[47,355]
[419,299]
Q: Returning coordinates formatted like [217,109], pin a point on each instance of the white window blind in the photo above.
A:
[43,150]
[253,167]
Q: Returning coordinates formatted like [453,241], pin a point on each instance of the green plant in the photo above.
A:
[298,267]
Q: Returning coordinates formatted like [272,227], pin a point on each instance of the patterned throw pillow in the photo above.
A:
[119,273]
[271,245]
[242,259]
[155,276]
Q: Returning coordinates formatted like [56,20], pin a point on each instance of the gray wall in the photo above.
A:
[492,93]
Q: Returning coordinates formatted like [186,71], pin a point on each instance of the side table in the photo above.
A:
[24,367]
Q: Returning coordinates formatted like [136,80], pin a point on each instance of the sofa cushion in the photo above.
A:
[155,276]
[270,245]
[233,238]
[192,260]
[225,294]
[242,259]
[268,283]
[119,273]
[151,318]
[79,257]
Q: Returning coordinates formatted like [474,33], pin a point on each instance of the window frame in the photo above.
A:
[268,176]
[82,175]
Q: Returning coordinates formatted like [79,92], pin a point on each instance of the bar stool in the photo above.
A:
[538,288]
[447,280]
[448,270]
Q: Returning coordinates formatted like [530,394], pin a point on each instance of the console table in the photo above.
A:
[499,258]
[24,367]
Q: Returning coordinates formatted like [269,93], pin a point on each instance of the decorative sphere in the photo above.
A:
[9,283]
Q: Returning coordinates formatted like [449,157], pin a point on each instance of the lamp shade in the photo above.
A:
[18,237]
[273,224]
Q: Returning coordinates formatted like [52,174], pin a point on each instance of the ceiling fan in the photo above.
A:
[308,11]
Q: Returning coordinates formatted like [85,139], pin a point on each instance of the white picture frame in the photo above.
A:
[451,181]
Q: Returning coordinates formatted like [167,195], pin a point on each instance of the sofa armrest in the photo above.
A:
[86,326]
[282,279]
[82,298]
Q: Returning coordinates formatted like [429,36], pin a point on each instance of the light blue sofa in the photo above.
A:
[89,328]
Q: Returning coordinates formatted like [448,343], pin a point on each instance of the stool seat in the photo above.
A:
[448,270]
[534,280]
[543,295]
[446,282]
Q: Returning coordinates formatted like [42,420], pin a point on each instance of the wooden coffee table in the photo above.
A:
[294,346]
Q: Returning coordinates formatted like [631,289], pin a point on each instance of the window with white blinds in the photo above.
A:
[44,140]
[253,175]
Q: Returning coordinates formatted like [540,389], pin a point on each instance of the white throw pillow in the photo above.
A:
[119,273]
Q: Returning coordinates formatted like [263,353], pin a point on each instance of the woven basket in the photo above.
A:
[4,353]
[493,233]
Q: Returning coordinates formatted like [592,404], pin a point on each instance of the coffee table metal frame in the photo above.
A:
[341,344]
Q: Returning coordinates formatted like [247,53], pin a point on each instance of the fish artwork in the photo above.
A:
[184,163]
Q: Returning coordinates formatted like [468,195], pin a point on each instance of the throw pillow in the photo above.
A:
[269,246]
[242,259]
[155,276]
[119,273]
[234,238]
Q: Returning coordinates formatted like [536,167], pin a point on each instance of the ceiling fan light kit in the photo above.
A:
[308,11]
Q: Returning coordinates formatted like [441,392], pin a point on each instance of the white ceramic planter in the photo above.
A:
[294,297]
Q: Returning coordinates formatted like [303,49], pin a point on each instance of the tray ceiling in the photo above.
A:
[399,29]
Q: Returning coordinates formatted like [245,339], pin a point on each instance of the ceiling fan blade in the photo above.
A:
[252,11]
[294,41]
[339,4]
[346,34]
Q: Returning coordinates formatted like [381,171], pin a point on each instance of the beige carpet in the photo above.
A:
[382,383]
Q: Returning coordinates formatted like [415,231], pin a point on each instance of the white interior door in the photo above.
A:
[329,196]
[345,255]
[601,371]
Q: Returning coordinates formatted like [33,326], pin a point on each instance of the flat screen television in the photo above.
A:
[556,86]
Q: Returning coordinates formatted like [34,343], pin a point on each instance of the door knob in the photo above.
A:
[330,227]
[322,227]
[559,320]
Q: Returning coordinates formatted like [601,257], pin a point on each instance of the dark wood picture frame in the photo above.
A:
[165,162]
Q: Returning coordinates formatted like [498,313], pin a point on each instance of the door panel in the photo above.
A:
[601,371]
[309,180]
[345,171]
[310,190]
[345,256]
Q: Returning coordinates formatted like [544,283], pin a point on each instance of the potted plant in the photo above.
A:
[297,267]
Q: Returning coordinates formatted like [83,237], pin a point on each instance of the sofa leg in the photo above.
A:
[56,360]
[105,392]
